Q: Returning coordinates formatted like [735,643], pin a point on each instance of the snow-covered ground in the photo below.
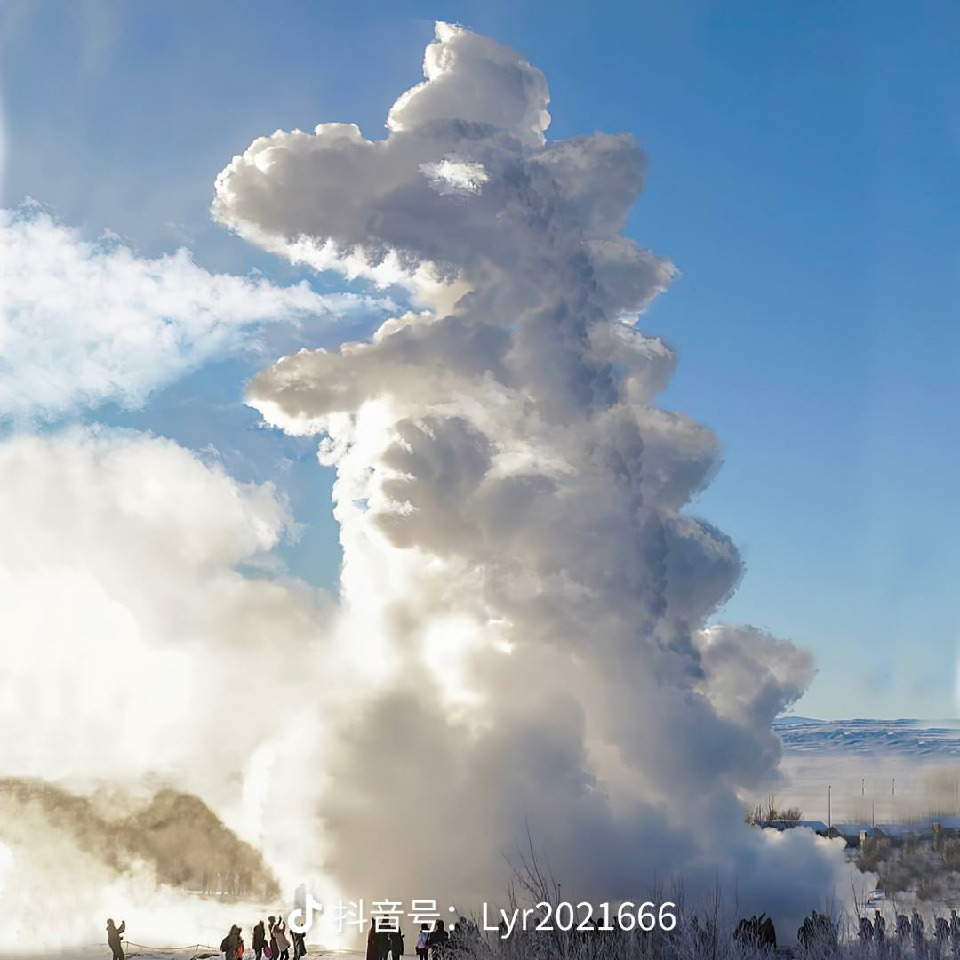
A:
[141,953]
[937,740]
[871,770]
[876,770]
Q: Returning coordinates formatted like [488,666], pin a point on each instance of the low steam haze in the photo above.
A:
[523,639]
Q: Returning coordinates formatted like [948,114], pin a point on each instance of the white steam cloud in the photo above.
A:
[144,645]
[535,650]
[521,638]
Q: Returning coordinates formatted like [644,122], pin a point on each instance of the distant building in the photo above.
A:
[901,832]
[853,834]
[933,829]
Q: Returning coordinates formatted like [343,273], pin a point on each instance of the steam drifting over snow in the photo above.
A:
[522,635]
[138,655]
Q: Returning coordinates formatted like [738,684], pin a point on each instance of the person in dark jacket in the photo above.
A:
[229,944]
[114,936]
[439,938]
[374,939]
[259,939]
[396,944]
[299,944]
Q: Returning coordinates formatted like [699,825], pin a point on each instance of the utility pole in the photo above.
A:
[829,821]
[893,786]
[863,781]
[874,803]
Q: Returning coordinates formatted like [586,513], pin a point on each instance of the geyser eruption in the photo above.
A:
[522,638]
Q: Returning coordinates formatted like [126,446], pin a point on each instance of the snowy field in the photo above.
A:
[882,770]
[936,740]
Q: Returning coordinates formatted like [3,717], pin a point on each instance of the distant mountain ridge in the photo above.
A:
[918,739]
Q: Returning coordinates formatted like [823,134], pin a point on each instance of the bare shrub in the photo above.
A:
[769,812]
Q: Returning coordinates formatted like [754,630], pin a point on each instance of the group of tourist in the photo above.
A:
[912,929]
[273,942]
[270,942]
[435,944]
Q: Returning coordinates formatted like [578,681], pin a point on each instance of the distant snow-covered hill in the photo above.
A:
[917,739]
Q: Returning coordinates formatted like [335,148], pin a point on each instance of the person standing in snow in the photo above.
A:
[282,951]
[423,942]
[438,940]
[232,944]
[259,939]
[373,943]
[114,936]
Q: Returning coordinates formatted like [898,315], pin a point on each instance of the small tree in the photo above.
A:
[765,814]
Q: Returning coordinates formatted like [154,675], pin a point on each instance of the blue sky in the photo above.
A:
[803,164]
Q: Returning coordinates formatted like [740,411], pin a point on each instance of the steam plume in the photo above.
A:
[521,640]
[523,598]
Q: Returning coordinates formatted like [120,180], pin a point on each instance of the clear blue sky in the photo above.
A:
[804,163]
